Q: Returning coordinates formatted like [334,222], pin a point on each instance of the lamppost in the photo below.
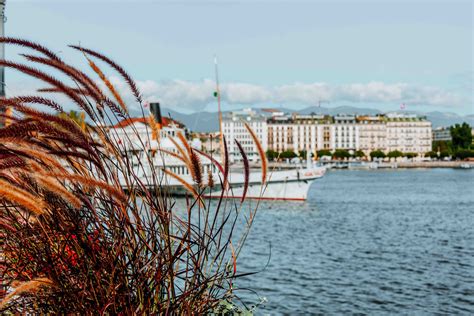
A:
[2,79]
[2,53]
[2,46]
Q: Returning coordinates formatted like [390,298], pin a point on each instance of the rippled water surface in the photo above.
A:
[372,242]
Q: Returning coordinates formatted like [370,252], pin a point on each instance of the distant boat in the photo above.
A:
[373,165]
[465,166]
[358,165]
[341,165]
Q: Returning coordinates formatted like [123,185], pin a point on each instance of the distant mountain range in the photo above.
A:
[208,121]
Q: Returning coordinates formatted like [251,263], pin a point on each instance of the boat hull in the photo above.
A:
[286,191]
[289,185]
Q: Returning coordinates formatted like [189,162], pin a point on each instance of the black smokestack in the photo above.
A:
[156,111]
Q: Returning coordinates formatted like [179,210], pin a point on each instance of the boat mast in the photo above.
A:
[218,95]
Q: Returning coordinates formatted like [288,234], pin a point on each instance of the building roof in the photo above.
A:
[269,110]
[369,118]
[144,120]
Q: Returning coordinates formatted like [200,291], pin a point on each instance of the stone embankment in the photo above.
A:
[403,164]
[434,164]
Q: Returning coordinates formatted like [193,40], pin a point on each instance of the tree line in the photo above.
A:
[459,147]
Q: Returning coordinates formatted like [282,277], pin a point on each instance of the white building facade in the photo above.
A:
[233,128]
[345,133]
[408,133]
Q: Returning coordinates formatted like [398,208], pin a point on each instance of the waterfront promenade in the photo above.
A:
[404,164]
[434,164]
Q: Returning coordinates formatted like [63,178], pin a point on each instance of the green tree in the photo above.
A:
[377,154]
[463,154]
[442,145]
[395,154]
[271,154]
[444,154]
[341,154]
[288,154]
[410,155]
[359,154]
[431,154]
[302,154]
[324,152]
[461,135]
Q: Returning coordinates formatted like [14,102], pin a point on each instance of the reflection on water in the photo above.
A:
[395,241]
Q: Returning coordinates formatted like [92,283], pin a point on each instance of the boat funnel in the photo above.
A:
[156,112]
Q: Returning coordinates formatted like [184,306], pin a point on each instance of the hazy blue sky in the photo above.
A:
[378,54]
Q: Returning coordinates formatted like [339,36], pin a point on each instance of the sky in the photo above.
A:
[294,54]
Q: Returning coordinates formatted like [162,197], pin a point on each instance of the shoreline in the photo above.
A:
[383,165]
[435,164]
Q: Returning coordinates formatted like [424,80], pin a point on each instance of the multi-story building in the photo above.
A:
[233,128]
[372,133]
[408,133]
[345,132]
[299,132]
[280,133]
[295,132]
[312,132]
[442,134]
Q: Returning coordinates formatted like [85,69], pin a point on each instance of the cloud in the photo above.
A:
[196,95]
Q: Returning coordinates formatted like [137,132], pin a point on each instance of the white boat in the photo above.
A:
[291,185]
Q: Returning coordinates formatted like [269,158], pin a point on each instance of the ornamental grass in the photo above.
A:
[81,231]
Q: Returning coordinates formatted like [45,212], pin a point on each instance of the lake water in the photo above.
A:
[367,242]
